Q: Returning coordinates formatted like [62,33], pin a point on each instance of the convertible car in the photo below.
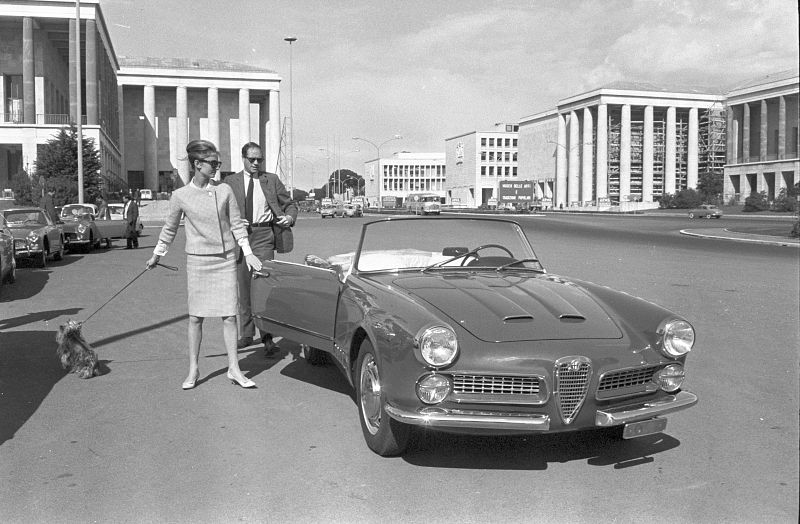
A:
[80,230]
[453,324]
[36,237]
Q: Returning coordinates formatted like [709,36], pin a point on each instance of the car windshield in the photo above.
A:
[76,211]
[21,218]
[431,244]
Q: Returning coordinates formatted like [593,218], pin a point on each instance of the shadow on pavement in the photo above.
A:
[534,452]
[28,372]
[327,376]
[30,318]
[143,329]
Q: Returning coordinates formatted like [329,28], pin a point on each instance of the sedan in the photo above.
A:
[706,211]
[36,237]
[454,325]
[8,262]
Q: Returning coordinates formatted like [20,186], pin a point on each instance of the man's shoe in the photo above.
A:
[270,348]
[244,342]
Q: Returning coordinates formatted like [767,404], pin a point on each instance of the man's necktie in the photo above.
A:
[248,202]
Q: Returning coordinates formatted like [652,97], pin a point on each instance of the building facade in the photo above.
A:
[763,142]
[402,174]
[169,102]
[39,83]
[477,161]
[623,144]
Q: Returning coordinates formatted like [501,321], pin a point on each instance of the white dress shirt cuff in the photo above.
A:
[161,248]
[245,245]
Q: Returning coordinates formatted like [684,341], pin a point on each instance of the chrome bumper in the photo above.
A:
[459,418]
[644,410]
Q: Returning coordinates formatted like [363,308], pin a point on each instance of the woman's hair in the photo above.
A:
[198,150]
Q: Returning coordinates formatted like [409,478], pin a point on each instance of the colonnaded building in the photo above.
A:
[140,112]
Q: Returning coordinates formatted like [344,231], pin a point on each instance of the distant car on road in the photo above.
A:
[706,211]
[8,263]
[145,194]
[36,237]
[353,210]
[331,210]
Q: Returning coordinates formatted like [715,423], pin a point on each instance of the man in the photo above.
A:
[268,208]
[131,214]
[48,204]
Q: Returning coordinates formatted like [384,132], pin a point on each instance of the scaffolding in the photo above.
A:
[712,138]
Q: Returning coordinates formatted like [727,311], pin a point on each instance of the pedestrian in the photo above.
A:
[48,204]
[102,209]
[131,213]
[213,229]
[270,213]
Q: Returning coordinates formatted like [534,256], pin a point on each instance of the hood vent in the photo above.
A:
[516,319]
[571,318]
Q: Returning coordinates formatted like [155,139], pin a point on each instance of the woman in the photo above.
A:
[212,221]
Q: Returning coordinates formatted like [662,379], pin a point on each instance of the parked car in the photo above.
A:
[8,262]
[116,212]
[145,194]
[331,210]
[36,237]
[706,211]
[352,210]
[80,230]
[453,324]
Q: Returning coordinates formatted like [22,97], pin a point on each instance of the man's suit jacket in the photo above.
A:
[131,217]
[278,199]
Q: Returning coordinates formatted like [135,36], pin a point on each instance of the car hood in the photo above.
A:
[513,307]
[22,231]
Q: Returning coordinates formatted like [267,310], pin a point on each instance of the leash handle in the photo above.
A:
[171,268]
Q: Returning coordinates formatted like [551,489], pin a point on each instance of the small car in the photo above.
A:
[706,211]
[146,194]
[80,230]
[453,324]
[8,262]
[36,237]
[353,210]
[331,210]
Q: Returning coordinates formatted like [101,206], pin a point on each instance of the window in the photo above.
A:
[483,142]
[491,156]
[483,170]
[491,170]
[514,171]
[514,141]
[491,142]
[508,142]
[483,156]
[514,156]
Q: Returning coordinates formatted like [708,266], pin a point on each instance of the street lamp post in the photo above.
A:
[291,39]
[378,150]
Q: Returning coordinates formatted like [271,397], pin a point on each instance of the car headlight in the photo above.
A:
[438,345]
[433,388]
[670,378]
[677,338]
[33,237]
[82,228]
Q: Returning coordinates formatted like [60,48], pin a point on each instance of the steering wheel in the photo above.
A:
[475,251]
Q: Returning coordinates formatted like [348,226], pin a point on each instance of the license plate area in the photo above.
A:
[645,427]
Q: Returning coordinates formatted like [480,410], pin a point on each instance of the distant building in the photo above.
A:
[622,143]
[477,161]
[763,143]
[404,173]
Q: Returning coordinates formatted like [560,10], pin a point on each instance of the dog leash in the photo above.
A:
[171,268]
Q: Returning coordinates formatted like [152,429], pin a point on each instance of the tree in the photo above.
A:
[57,162]
[709,185]
[683,199]
[26,190]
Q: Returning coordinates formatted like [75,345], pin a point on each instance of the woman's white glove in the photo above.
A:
[253,262]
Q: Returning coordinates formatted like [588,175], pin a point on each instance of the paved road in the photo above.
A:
[130,446]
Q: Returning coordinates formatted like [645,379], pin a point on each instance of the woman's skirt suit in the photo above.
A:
[213,229]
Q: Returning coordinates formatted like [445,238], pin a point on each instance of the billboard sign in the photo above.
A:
[516,192]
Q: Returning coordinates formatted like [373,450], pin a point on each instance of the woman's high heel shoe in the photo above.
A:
[246,383]
[189,384]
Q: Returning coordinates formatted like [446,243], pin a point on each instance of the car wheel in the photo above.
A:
[384,435]
[314,356]
[59,255]
[90,245]
[691,215]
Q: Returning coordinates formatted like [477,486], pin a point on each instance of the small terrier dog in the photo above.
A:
[75,353]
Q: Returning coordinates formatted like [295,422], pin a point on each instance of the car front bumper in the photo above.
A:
[457,418]
[23,250]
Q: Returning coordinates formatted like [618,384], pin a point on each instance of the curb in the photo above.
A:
[726,235]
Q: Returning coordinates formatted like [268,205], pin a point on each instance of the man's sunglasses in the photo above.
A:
[254,159]
[215,164]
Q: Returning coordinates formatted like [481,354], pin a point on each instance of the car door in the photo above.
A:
[297,302]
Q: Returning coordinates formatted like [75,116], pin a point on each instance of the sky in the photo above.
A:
[431,70]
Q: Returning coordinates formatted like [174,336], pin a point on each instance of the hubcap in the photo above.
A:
[370,394]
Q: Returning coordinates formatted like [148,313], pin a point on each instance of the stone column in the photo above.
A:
[763,134]
[91,73]
[692,150]
[213,116]
[625,153]
[745,133]
[601,169]
[273,149]
[573,175]
[647,156]
[244,121]
[28,73]
[781,133]
[670,151]
[730,151]
[587,178]
[263,124]
[561,163]
[123,170]
[150,145]
[182,132]
[73,77]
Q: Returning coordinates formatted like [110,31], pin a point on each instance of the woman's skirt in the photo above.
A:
[212,285]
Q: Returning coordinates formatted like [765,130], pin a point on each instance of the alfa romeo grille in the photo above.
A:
[495,385]
[626,378]
[572,382]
